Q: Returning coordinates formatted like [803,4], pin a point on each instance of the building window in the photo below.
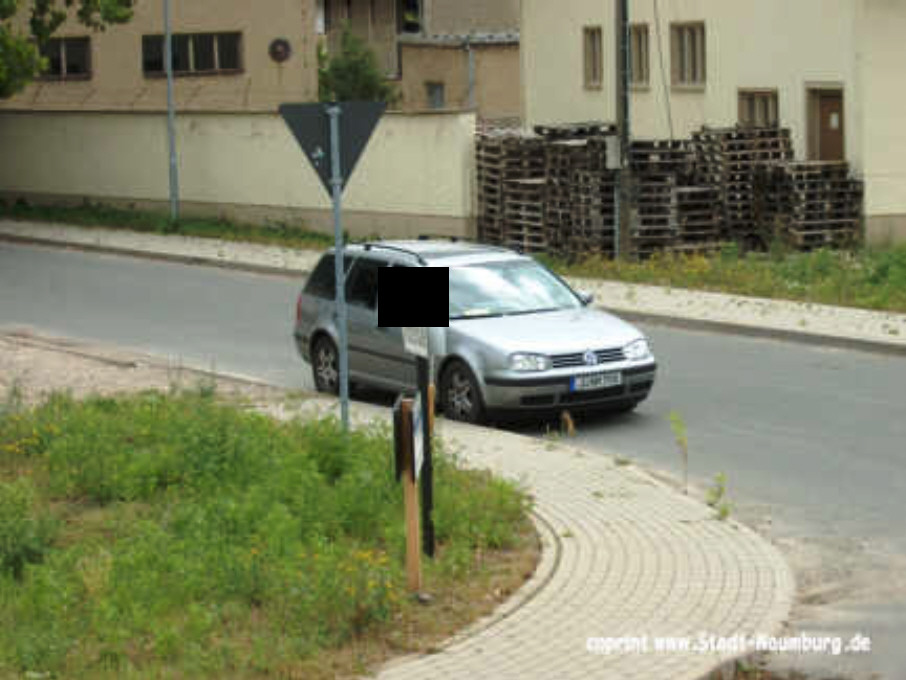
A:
[321,17]
[638,55]
[194,54]
[687,50]
[594,58]
[67,59]
[436,96]
[758,108]
[410,16]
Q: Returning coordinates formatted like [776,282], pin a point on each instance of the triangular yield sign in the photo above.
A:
[310,125]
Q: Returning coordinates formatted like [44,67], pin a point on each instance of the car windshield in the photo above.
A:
[505,288]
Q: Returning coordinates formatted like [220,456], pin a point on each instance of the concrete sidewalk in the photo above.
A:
[840,326]
[624,556]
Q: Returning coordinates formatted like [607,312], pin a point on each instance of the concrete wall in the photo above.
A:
[415,176]
[118,83]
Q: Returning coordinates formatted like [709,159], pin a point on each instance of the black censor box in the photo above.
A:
[413,296]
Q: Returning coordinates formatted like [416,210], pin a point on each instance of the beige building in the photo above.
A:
[830,70]
[228,55]
[94,127]
[443,54]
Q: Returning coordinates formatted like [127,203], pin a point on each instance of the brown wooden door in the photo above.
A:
[830,130]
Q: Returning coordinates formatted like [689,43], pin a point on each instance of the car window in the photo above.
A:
[363,283]
[321,282]
[504,288]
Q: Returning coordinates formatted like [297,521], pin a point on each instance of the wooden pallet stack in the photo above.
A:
[594,213]
[575,131]
[503,159]
[811,204]
[697,212]
[551,192]
[523,215]
[659,168]
[571,211]
[730,158]
[565,157]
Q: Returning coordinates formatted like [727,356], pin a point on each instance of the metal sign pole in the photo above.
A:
[171,115]
[336,183]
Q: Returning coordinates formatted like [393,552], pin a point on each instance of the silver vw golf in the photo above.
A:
[519,338]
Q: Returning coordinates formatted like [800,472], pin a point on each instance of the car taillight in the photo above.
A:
[299,309]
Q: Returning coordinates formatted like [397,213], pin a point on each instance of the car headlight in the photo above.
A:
[529,362]
[638,350]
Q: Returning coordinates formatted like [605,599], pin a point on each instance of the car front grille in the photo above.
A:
[604,356]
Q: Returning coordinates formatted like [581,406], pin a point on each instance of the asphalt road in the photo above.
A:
[812,440]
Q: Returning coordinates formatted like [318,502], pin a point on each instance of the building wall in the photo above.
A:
[882,55]
[429,63]
[854,45]
[245,165]
[774,44]
[118,83]
[497,90]
[374,21]
[552,65]
[497,87]
[459,17]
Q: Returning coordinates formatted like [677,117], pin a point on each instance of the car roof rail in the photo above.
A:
[464,239]
[398,249]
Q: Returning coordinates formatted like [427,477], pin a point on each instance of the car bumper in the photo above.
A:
[520,393]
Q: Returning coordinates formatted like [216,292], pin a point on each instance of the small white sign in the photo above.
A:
[415,340]
[418,436]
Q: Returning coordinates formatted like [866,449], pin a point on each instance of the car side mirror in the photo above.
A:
[585,297]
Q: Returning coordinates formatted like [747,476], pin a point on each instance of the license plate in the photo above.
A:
[595,381]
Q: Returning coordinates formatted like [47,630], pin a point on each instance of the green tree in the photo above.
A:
[353,74]
[20,59]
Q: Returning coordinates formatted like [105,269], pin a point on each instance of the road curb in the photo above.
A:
[788,335]
[154,255]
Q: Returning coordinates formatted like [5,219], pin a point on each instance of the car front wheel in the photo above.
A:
[325,365]
[460,395]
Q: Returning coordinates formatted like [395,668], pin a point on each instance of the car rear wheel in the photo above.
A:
[460,395]
[325,365]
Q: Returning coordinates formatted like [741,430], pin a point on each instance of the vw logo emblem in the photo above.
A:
[591,359]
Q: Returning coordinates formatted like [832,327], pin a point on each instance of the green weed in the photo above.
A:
[171,534]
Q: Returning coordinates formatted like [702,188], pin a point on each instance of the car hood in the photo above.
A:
[561,332]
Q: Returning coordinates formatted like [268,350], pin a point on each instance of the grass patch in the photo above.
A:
[172,534]
[867,278]
[100,215]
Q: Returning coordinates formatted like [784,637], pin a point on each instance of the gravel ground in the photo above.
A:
[38,366]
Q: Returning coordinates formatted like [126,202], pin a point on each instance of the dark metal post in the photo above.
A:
[624,215]
[427,473]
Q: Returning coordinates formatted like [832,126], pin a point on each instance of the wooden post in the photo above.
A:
[410,501]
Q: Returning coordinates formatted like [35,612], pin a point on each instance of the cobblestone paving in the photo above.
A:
[624,556]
